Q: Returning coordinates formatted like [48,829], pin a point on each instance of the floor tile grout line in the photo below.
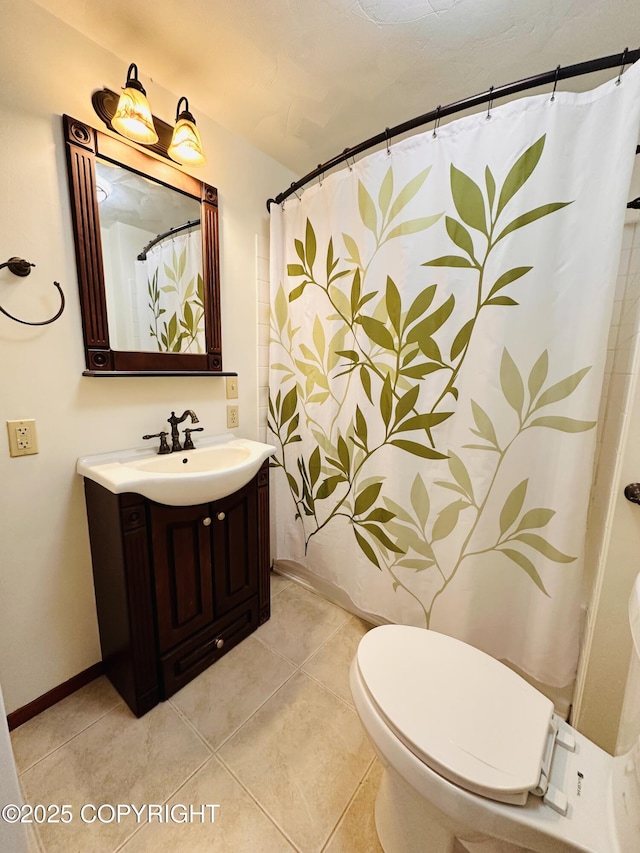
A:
[72,738]
[279,653]
[173,792]
[355,793]
[331,637]
[208,759]
[119,702]
[326,687]
[316,650]
[39,841]
[36,834]
[257,802]
[253,713]
[215,749]
[191,725]
[141,826]
[137,830]
[254,798]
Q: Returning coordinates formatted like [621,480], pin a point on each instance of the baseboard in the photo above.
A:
[37,706]
[295,571]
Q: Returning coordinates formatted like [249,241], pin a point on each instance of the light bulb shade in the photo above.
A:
[133,117]
[186,145]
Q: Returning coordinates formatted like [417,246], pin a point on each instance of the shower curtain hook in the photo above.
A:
[555,83]
[386,133]
[295,191]
[490,104]
[434,135]
[321,175]
[624,62]
[346,158]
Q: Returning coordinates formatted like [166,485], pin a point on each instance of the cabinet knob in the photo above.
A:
[219,643]
[206,521]
[221,516]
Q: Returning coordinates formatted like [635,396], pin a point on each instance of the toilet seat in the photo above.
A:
[460,711]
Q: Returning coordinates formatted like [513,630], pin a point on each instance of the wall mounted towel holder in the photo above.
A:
[20,267]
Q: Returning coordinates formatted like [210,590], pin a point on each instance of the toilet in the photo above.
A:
[475,760]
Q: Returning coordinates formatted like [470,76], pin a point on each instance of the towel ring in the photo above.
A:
[20,267]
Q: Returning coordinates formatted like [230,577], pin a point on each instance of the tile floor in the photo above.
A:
[269,734]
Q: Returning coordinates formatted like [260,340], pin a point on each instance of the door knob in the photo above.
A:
[632,492]
[219,643]
[206,521]
[221,516]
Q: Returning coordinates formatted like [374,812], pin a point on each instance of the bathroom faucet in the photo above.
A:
[174,421]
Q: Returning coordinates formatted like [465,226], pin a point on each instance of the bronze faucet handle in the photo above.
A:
[164,447]
[188,442]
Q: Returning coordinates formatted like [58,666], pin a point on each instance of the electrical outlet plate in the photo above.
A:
[23,440]
[233,417]
[232,387]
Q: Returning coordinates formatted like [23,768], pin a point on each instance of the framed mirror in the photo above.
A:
[146,239]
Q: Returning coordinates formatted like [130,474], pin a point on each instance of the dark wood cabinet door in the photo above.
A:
[235,548]
[176,587]
[181,547]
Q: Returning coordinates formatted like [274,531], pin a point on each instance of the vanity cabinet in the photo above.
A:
[176,587]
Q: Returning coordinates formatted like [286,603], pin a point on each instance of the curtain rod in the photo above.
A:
[627,57]
[143,254]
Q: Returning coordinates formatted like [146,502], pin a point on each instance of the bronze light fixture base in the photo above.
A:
[105,103]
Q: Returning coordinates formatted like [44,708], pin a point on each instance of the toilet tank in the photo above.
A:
[629,731]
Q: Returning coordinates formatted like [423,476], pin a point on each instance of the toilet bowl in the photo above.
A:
[475,760]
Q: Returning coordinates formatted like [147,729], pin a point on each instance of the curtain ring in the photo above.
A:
[386,133]
[555,83]
[624,62]
[490,104]
[434,135]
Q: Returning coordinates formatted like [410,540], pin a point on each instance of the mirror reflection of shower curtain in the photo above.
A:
[440,317]
[169,306]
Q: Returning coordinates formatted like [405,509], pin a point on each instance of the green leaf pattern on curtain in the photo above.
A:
[388,348]
[184,329]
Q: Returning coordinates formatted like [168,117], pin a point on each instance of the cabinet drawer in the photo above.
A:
[196,654]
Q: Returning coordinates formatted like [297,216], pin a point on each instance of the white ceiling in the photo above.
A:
[304,79]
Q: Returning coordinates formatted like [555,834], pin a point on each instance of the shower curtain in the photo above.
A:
[170,287]
[440,313]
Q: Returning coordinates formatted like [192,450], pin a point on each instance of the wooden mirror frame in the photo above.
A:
[83,144]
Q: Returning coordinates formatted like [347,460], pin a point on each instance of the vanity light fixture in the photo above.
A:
[129,114]
[133,118]
[186,146]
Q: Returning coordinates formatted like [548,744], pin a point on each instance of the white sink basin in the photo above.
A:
[217,467]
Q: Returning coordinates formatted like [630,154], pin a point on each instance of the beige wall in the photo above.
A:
[48,629]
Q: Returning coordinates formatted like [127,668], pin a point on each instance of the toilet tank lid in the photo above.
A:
[462,712]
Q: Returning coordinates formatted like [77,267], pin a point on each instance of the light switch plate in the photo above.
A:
[232,387]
